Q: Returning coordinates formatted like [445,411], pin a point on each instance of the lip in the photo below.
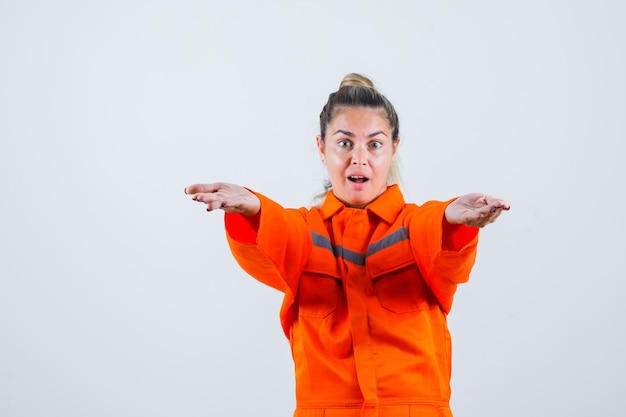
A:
[358,178]
[358,181]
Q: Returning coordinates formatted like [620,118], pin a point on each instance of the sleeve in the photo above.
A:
[272,246]
[445,253]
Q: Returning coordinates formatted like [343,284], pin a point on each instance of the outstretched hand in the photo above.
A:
[477,210]
[231,198]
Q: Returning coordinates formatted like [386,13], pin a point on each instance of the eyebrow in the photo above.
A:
[350,134]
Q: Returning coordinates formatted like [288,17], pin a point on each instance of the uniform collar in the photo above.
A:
[386,206]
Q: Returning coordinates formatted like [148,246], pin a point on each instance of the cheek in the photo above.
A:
[382,165]
[335,163]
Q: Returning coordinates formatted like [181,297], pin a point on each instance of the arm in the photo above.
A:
[444,237]
[269,242]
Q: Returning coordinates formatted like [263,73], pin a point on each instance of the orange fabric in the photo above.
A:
[367,292]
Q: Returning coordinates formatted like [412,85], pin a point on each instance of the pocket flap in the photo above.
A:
[391,259]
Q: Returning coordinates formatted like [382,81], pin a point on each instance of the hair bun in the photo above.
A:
[356,80]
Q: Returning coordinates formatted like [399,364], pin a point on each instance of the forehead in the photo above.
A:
[360,118]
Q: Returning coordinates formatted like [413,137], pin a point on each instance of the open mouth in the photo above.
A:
[358,179]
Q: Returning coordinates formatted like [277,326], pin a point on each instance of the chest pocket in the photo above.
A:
[397,281]
[320,286]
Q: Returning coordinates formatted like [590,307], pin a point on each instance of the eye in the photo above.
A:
[345,143]
[376,145]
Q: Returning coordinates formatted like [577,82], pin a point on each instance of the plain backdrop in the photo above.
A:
[118,295]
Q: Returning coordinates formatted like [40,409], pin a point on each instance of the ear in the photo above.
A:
[395,147]
[320,147]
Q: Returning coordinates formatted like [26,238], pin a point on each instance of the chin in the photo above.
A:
[357,202]
[357,198]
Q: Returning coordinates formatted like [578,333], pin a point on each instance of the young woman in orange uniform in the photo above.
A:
[368,279]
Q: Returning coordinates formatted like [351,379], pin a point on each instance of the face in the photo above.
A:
[358,152]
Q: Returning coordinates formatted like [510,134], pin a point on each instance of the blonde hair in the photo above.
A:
[356,80]
[356,90]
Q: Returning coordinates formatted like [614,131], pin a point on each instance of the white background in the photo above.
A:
[118,295]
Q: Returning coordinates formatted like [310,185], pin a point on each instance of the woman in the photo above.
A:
[368,279]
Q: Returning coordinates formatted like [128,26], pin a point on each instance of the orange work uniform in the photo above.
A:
[367,292]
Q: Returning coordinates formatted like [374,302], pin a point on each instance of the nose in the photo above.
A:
[359,156]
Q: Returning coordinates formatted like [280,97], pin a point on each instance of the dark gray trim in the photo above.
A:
[359,258]
[389,240]
[350,256]
[321,241]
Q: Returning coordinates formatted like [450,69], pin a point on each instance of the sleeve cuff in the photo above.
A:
[243,229]
[456,236]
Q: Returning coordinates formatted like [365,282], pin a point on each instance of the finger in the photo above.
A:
[224,205]
[200,198]
[493,206]
[492,217]
[215,199]
[202,188]
[485,211]
[214,205]
[497,203]
[489,218]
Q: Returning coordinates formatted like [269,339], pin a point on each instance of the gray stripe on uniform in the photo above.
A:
[321,241]
[358,258]
[339,251]
[350,256]
[389,240]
